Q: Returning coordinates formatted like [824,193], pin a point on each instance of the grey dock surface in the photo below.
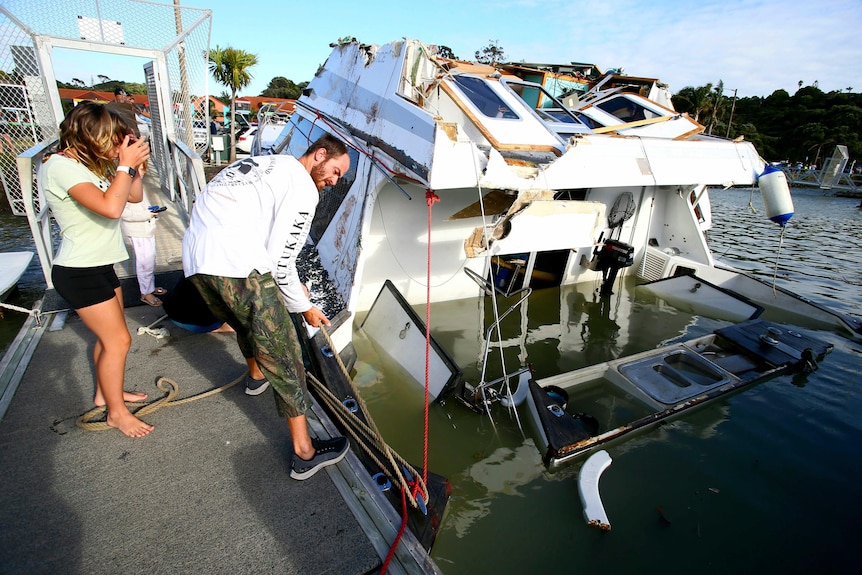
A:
[208,491]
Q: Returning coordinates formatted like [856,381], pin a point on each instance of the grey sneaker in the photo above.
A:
[327,452]
[255,386]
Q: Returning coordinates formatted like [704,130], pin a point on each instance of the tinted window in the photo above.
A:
[625,109]
[484,98]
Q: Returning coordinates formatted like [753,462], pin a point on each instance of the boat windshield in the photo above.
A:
[625,109]
[552,112]
[484,98]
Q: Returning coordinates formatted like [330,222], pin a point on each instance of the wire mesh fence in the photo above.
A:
[174,38]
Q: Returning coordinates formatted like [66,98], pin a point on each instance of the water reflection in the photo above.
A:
[599,331]
[506,471]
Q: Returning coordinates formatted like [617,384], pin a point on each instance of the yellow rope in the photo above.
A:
[369,432]
[88,421]
[365,435]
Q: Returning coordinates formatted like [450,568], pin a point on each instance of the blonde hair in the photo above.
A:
[89,134]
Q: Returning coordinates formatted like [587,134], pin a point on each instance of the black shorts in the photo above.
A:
[83,287]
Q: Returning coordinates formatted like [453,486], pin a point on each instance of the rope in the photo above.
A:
[88,422]
[385,567]
[750,201]
[777,256]
[430,198]
[363,432]
[156,332]
[36,313]
[367,436]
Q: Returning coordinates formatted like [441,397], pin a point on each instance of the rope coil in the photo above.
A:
[88,421]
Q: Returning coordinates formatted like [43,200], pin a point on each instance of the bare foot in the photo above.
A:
[128,397]
[224,328]
[130,425]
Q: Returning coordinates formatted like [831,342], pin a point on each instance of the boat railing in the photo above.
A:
[484,388]
[813,178]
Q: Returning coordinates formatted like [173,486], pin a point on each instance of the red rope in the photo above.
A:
[415,488]
[391,553]
[430,198]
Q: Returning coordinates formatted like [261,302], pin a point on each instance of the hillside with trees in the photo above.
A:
[804,127]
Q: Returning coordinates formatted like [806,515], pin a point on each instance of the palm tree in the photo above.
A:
[696,101]
[230,67]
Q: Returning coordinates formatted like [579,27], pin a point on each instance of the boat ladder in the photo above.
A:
[484,393]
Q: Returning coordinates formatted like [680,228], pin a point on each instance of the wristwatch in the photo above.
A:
[129,170]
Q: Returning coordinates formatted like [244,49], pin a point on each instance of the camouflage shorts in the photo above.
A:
[264,331]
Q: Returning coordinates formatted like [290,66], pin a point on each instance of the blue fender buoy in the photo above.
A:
[776,195]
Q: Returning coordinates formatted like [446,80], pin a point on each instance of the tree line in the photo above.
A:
[802,127]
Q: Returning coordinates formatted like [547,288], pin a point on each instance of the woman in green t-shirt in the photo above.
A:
[98,169]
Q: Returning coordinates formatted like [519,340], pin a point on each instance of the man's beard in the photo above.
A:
[318,177]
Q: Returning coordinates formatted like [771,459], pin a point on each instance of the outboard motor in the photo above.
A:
[613,256]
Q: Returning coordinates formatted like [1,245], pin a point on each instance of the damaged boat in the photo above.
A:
[465,176]
[470,180]
[656,385]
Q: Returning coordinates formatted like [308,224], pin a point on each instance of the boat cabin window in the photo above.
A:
[586,120]
[484,98]
[545,105]
[578,194]
[626,110]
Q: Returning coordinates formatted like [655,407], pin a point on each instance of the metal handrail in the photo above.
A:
[190,179]
[186,181]
[38,215]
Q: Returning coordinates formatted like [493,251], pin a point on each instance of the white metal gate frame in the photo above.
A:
[174,38]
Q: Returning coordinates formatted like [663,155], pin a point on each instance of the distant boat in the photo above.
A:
[12,266]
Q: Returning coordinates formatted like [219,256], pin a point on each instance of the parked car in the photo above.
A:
[243,142]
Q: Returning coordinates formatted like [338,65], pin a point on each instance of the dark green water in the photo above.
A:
[766,481]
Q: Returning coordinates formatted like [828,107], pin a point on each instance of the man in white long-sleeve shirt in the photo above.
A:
[246,229]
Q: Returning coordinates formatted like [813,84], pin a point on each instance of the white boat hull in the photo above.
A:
[12,267]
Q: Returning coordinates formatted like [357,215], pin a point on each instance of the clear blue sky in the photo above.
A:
[755,46]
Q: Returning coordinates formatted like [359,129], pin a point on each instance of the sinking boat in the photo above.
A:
[571,414]
[696,295]
[466,177]
[477,181]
